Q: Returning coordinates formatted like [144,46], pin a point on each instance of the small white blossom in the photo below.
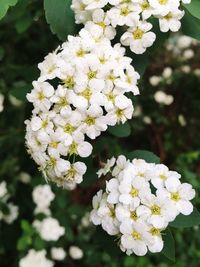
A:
[75,253]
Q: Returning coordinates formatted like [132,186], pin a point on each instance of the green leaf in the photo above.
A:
[169,246]
[191,25]
[21,92]
[23,23]
[120,130]
[4,6]
[183,221]
[24,242]
[60,17]
[194,8]
[144,154]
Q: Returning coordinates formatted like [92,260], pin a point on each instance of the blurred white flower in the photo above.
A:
[15,101]
[155,80]
[163,98]
[49,229]
[184,41]
[42,197]
[188,54]
[12,215]
[24,177]
[58,254]
[1,102]
[197,72]
[182,120]
[167,72]
[35,259]
[75,253]
[3,189]
[147,120]
[186,69]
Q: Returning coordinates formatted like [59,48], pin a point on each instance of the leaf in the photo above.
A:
[120,130]
[194,8]
[4,6]
[144,154]
[169,246]
[60,17]
[23,23]
[183,221]
[21,92]
[191,25]
[140,63]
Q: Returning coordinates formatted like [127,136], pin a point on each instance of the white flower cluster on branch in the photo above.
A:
[107,15]
[139,202]
[81,90]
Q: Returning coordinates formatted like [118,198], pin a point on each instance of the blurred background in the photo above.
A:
[166,122]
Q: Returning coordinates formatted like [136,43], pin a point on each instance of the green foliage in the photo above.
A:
[169,245]
[120,130]
[194,8]
[143,154]
[60,17]
[187,221]
[4,6]
[191,25]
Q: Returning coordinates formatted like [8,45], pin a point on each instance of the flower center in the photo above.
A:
[112,212]
[111,97]
[175,196]
[87,93]
[80,53]
[155,231]
[53,144]
[163,177]
[44,123]
[40,96]
[145,5]
[163,2]
[70,174]
[62,102]
[155,210]
[134,192]
[133,215]
[69,82]
[124,11]
[52,162]
[168,16]
[73,148]
[138,34]
[119,113]
[92,74]
[102,24]
[136,235]
[90,120]
[68,128]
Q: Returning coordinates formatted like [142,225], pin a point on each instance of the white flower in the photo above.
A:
[135,237]
[121,164]
[188,54]
[107,167]
[171,21]
[184,41]
[162,7]
[75,253]
[178,194]
[139,37]
[158,211]
[58,254]
[49,229]
[182,121]
[1,102]
[35,259]
[40,95]
[160,174]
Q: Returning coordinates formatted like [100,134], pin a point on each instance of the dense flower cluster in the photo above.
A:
[130,209]
[8,210]
[80,91]
[107,15]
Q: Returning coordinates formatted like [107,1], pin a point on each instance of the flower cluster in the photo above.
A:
[36,258]
[8,211]
[107,15]
[130,209]
[81,90]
